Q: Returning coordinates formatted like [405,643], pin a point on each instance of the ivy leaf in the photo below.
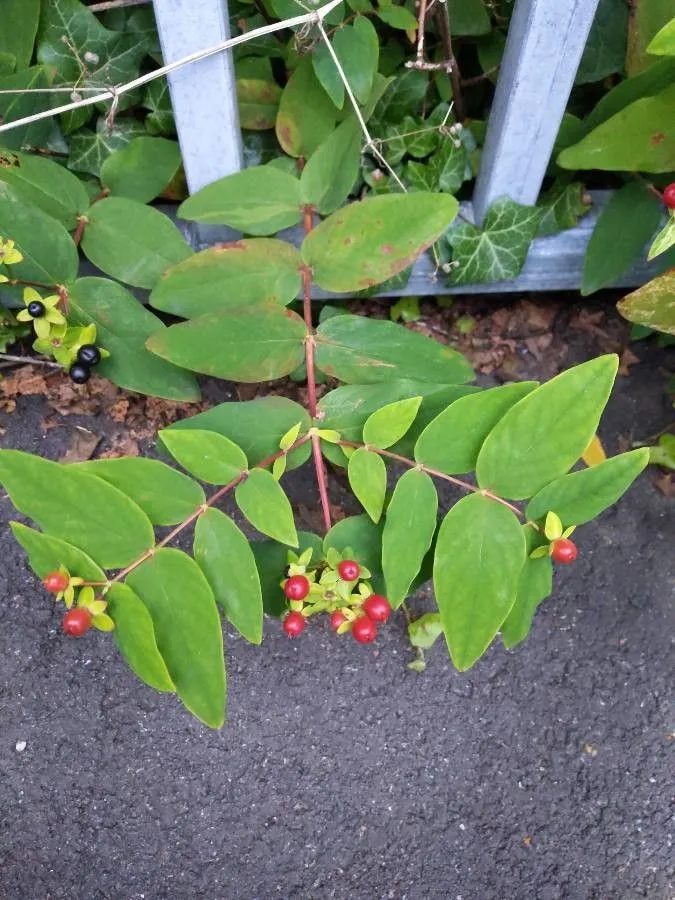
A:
[614,246]
[123,325]
[47,553]
[605,50]
[653,304]
[142,169]
[247,343]
[402,96]
[260,200]
[266,506]
[256,270]
[18,106]
[20,21]
[207,455]
[562,206]
[534,585]
[546,432]
[132,242]
[330,174]
[306,113]
[90,149]
[368,479]
[480,553]
[44,183]
[188,631]
[166,496]
[135,637]
[497,251]
[158,100]
[387,425]
[409,529]
[225,556]
[109,527]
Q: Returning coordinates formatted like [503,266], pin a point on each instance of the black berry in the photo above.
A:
[80,374]
[89,355]
[36,309]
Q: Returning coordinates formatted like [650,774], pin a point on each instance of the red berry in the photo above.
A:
[669,195]
[56,582]
[296,587]
[364,630]
[336,619]
[77,622]
[377,608]
[564,551]
[349,570]
[294,624]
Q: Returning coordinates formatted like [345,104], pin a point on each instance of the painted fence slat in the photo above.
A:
[203,94]
[545,43]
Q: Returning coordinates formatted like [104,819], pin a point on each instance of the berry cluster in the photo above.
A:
[90,610]
[87,356]
[338,587]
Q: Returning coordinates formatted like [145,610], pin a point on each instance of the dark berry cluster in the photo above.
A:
[88,356]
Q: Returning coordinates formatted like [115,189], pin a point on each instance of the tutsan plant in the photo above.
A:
[399,412]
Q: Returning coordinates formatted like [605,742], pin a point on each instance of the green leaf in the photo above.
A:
[468,18]
[368,479]
[187,627]
[272,561]
[247,343]
[50,256]
[90,149]
[397,17]
[664,240]
[132,242]
[306,113]
[207,455]
[158,100]
[497,251]
[452,441]
[663,454]
[663,42]
[142,169]
[480,552]
[261,269]
[387,425]
[653,304]
[652,81]
[534,585]
[123,325]
[367,242]
[449,166]
[20,22]
[357,48]
[366,351]
[327,74]
[255,425]
[226,558]
[258,101]
[645,21]
[547,431]
[135,637]
[266,506]
[260,200]
[82,510]
[409,529]
[364,540]
[562,208]
[605,49]
[18,106]
[425,631]
[581,496]
[330,174]
[47,185]
[47,553]
[639,138]
[402,95]
[166,496]
[614,246]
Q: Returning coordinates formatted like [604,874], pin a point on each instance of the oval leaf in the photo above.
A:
[206,455]
[142,169]
[250,344]
[452,441]
[253,271]
[370,241]
[330,174]
[547,431]
[387,425]
[166,496]
[187,628]
[306,115]
[266,506]
[135,637]
[259,200]
[225,557]
[47,185]
[480,553]
[132,242]
[47,553]
[77,507]
[534,585]
[408,532]
[368,479]
[653,304]
[581,496]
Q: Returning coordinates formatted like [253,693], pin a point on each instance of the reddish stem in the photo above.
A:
[82,222]
[322,480]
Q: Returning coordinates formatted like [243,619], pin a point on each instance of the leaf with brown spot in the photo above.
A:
[653,304]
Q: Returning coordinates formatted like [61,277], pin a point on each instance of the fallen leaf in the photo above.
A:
[82,445]
[628,359]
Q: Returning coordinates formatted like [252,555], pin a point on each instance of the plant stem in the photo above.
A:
[465,485]
[82,222]
[29,360]
[213,499]
[322,481]
[443,24]
[36,284]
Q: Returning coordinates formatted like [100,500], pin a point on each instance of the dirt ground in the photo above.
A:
[545,773]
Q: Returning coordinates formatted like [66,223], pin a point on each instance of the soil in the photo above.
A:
[545,773]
